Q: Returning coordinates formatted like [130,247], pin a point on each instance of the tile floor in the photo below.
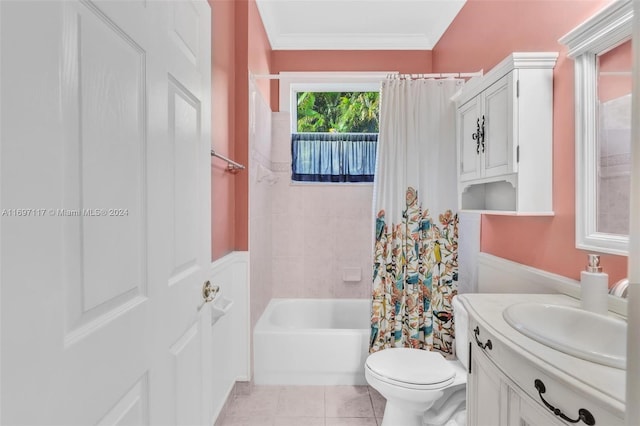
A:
[305,406]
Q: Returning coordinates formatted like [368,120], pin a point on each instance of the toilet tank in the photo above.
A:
[461,321]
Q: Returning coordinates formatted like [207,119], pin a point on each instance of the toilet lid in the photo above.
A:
[411,366]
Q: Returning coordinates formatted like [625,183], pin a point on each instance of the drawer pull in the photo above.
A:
[486,345]
[583,413]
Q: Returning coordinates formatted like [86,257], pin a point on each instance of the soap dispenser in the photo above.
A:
[594,287]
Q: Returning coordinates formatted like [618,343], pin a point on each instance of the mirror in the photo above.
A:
[613,186]
[601,49]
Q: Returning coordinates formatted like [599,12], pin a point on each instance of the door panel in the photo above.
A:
[498,158]
[104,210]
[187,359]
[484,384]
[533,415]
[131,409]
[468,116]
[184,131]
[186,21]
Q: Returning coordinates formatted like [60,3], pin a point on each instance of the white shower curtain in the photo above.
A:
[416,247]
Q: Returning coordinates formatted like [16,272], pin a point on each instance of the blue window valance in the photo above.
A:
[333,157]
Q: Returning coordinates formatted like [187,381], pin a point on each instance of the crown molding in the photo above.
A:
[606,29]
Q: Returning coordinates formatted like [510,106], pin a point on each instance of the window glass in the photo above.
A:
[338,112]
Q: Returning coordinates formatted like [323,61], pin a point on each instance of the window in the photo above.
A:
[337,112]
[335,137]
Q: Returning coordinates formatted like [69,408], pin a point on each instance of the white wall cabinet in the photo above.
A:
[505,134]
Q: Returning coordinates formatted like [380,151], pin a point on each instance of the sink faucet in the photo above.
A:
[620,288]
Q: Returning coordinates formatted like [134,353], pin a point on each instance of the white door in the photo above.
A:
[105,200]
[484,391]
[498,120]
[529,413]
[468,122]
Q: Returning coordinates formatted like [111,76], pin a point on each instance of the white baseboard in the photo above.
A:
[498,275]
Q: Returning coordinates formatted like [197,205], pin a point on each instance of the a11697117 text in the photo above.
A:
[100,212]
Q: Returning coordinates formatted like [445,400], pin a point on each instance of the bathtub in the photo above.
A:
[312,342]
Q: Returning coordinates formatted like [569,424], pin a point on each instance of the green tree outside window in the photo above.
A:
[338,112]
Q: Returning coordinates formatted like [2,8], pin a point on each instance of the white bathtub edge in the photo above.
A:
[308,356]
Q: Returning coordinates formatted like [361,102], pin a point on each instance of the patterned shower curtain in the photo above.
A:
[416,232]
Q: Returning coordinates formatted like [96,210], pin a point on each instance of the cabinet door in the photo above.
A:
[484,392]
[498,116]
[531,414]
[467,126]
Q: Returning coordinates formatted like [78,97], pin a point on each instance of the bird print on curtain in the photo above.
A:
[414,279]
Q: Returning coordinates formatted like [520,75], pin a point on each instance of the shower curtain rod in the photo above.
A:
[367,76]
[437,75]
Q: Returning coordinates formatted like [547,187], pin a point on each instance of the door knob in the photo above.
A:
[209,291]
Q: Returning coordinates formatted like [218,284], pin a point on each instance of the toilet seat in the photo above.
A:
[411,368]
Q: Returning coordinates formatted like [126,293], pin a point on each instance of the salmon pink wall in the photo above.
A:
[239,45]
[253,55]
[484,33]
[223,126]
[403,61]
[260,53]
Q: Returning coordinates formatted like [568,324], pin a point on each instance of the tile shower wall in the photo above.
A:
[260,196]
[319,231]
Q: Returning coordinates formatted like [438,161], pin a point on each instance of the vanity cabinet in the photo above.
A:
[524,412]
[504,137]
[484,386]
[494,400]
[515,381]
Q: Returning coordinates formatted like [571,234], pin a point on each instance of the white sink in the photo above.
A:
[576,332]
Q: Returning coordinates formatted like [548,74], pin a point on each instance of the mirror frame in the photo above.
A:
[604,31]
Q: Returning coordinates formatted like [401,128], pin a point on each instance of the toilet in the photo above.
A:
[422,387]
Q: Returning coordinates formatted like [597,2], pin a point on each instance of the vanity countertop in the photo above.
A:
[606,384]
